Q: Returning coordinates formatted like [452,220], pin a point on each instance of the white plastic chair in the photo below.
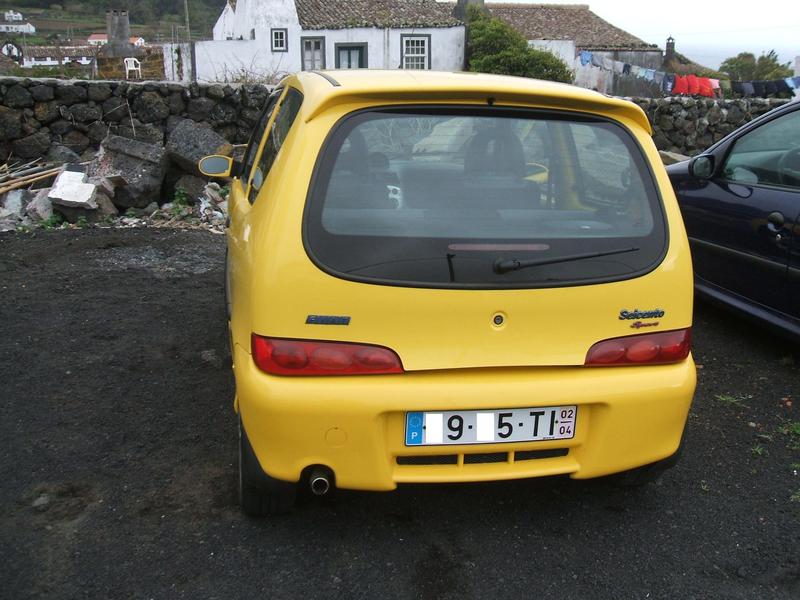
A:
[132,65]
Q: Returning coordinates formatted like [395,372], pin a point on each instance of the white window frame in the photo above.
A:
[412,42]
[274,36]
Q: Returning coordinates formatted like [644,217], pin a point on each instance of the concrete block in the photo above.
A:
[72,190]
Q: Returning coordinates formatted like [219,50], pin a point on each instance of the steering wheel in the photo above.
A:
[789,167]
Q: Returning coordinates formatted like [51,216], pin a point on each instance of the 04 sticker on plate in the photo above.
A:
[491,427]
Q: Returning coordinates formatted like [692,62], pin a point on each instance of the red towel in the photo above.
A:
[680,86]
[705,87]
[694,86]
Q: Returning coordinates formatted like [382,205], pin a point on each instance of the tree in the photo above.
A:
[495,47]
[745,67]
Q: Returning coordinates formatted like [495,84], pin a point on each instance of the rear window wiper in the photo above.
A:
[501,266]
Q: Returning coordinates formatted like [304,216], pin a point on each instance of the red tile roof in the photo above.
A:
[341,14]
[104,37]
[54,51]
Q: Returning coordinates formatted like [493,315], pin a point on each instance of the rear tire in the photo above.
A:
[259,494]
[643,475]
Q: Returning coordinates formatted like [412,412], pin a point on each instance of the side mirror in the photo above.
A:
[702,167]
[216,165]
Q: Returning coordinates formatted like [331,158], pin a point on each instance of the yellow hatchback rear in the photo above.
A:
[438,277]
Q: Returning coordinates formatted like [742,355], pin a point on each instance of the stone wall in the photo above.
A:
[36,114]
[690,125]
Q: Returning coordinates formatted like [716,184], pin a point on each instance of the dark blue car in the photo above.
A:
[741,204]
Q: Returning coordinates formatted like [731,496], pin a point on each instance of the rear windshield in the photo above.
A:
[494,198]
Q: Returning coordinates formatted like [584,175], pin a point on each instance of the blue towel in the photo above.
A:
[586,57]
[667,83]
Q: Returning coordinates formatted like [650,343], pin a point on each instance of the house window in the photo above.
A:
[252,34]
[416,51]
[313,53]
[351,56]
[279,42]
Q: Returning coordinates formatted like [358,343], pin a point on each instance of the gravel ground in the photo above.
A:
[118,463]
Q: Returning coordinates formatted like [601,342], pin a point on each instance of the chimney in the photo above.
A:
[460,10]
[670,53]
[118,30]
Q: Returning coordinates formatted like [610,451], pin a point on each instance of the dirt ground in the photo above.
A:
[119,447]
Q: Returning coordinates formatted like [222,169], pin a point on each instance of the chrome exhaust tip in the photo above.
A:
[319,482]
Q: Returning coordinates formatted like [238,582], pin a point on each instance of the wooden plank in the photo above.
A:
[29,180]
[24,173]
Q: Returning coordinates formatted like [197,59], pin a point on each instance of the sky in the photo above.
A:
[706,31]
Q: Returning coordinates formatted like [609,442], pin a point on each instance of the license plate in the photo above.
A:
[490,427]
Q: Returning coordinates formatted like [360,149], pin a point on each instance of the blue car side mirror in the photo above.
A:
[702,167]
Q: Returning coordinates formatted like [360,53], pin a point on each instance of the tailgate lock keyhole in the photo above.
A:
[498,319]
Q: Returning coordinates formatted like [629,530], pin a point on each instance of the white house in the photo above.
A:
[567,29]
[12,15]
[269,38]
[16,27]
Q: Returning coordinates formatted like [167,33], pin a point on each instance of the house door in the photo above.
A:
[350,56]
[313,53]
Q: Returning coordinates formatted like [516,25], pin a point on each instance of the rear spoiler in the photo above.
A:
[567,100]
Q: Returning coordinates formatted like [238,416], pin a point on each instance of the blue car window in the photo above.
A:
[769,155]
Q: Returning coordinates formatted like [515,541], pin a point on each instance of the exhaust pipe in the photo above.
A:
[319,481]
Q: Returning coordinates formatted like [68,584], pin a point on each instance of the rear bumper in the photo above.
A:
[627,417]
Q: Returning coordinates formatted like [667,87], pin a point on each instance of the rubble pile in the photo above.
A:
[129,183]
[209,212]
[74,203]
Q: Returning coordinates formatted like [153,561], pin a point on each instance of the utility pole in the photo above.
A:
[186,10]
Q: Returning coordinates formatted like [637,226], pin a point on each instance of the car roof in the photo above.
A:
[324,89]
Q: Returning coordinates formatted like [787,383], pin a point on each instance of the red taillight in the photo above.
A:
[306,357]
[288,355]
[645,349]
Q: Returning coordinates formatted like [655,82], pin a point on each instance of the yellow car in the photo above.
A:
[450,277]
